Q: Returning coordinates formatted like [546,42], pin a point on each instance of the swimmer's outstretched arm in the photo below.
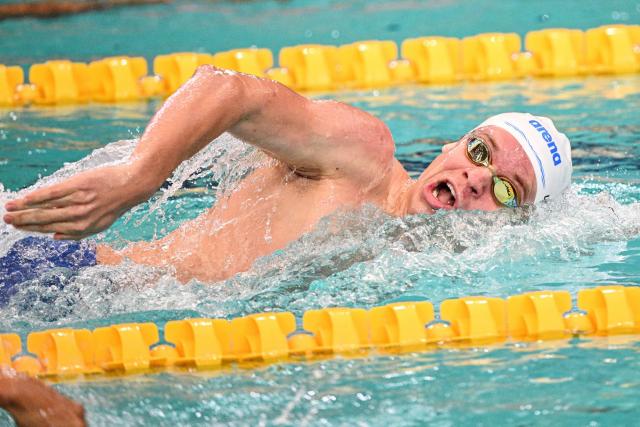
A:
[318,139]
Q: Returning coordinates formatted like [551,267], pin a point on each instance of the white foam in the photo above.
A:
[352,258]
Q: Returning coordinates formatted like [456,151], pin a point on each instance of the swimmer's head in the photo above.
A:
[548,150]
[511,159]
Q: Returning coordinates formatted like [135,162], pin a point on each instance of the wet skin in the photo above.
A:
[326,156]
[275,206]
[472,184]
[31,403]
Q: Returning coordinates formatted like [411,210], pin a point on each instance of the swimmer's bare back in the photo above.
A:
[326,156]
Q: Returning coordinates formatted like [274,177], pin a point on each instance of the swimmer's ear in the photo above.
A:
[448,147]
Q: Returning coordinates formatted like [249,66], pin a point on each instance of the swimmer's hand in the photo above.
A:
[32,403]
[85,204]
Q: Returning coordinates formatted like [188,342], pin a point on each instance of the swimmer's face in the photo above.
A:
[453,181]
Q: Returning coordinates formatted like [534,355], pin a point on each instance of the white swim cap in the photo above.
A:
[549,151]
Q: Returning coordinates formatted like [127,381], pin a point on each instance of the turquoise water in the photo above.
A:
[211,26]
[591,237]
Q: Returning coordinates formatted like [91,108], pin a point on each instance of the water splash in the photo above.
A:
[359,258]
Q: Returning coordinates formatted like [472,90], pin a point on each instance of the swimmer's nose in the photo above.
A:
[477,182]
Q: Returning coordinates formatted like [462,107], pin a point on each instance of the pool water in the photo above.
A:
[590,237]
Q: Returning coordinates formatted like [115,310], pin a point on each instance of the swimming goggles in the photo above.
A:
[504,192]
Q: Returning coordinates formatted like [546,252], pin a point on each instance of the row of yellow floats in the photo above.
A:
[268,337]
[492,56]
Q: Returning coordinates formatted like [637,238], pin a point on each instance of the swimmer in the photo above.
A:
[31,403]
[327,156]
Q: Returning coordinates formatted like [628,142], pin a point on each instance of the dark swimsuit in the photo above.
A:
[32,257]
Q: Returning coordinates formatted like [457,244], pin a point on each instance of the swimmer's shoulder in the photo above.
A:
[358,144]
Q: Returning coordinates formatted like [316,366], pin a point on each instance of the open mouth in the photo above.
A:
[443,195]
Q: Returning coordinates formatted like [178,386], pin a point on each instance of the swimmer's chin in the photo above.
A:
[426,210]
[420,205]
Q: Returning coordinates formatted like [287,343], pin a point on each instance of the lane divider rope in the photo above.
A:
[609,49]
[275,337]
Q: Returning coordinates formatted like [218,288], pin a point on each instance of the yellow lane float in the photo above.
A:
[270,337]
[554,52]
[434,59]
[614,49]
[10,79]
[557,52]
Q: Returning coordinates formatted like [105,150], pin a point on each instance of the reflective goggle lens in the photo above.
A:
[478,151]
[504,192]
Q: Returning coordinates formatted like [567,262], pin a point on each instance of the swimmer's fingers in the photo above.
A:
[62,236]
[46,216]
[75,198]
[91,201]
[49,197]
[72,229]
